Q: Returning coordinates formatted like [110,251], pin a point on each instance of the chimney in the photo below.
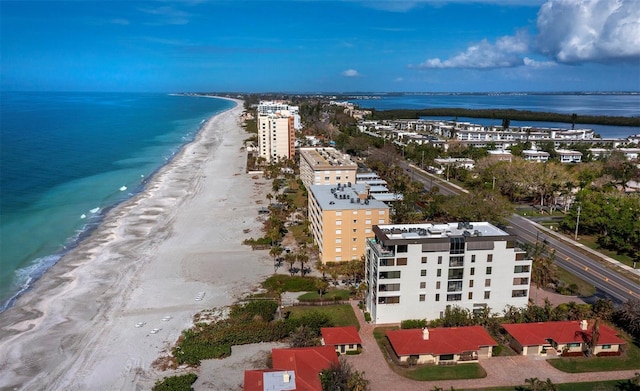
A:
[583,325]
[286,378]
[425,333]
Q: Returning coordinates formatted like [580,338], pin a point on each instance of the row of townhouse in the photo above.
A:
[424,132]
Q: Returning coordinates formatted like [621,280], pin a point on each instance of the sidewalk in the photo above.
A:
[501,371]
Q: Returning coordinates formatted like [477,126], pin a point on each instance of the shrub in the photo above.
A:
[262,309]
[367,317]
[497,350]
[284,283]
[176,383]
[413,324]
[353,352]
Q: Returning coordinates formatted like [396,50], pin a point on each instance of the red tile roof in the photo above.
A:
[445,340]
[307,364]
[532,334]
[340,335]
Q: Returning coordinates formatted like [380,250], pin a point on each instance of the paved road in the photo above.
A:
[608,282]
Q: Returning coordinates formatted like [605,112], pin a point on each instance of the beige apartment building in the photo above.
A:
[276,136]
[326,166]
[342,217]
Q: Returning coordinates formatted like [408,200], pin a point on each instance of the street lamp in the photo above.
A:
[575,237]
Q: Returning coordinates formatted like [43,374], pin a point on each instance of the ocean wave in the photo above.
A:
[26,276]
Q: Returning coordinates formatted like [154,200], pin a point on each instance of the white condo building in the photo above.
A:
[414,271]
[326,166]
[281,107]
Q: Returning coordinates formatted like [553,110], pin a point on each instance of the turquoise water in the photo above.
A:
[66,158]
[624,105]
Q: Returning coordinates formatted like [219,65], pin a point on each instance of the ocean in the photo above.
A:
[67,158]
[611,104]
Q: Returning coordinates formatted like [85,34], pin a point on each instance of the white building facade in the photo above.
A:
[414,271]
[326,166]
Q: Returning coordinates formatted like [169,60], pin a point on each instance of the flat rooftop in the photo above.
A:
[327,159]
[340,197]
[427,230]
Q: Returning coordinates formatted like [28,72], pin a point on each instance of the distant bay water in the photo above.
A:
[66,158]
[610,104]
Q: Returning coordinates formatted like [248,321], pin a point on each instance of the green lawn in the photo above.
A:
[445,372]
[584,288]
[340,314]
[590,241]
[630,359]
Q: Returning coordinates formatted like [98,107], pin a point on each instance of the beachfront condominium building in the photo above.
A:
[281,107]
[326,166]
[276,136]
[341,218]
[415,271]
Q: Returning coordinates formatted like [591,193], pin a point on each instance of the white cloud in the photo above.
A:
[350,73]
[538,64]
[408,5]
[573,31]
[505,53]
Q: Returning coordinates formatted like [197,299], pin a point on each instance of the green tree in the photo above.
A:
[342,377]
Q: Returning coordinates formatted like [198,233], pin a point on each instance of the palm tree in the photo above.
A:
[275,253]
[290,258]
[269,197]
[302,257]
[595,335]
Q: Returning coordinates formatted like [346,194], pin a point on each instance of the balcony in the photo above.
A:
[381,251]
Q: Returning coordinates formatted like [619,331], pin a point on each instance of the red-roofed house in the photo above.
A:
[565,337]
[294,369]
[343,339]
[442,345]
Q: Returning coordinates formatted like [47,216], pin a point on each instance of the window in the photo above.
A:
[338,249]
[437,284]
[401,262]
[519,293]
[521,269]
[338,222]
[326,178]
[573,345]
[470,296]
[439,259]
[423,273]
[456,261]
[389,300]
[402,248]
[339,213]
[393,274]
[422,297]
[439,272]
[355,239]
[455,274]
[367,222]
[437,297]
[381,221]
[381,212]
[489,257]
[367,230]
[470,283]
[338,240]
[473,258]
[472,271]
[606,346]
[367,212]
[338,232]
[389,287]
[456,245]
[423,285]
[489,269]
[355,221]
[520,281]
[387,262]
[487,282]
[355,230]
[487,294]
[454,297]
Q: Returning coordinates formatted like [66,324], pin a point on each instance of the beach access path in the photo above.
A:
[99,318]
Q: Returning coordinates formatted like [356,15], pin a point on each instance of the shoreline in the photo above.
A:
[146,263]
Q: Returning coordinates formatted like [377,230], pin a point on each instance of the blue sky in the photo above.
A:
[321,46]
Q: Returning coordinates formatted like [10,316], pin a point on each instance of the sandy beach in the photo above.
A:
[146,266]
